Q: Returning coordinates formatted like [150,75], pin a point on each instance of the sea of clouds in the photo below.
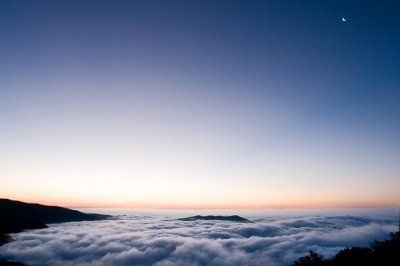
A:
[163,240]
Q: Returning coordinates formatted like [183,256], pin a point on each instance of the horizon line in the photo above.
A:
[133,206]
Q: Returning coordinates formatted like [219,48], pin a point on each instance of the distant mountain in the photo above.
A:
[232,218]
[17,216]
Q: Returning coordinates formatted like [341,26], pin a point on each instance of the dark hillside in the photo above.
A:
[17,216]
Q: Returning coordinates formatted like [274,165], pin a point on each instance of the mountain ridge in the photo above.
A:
[230,218]
[17,216]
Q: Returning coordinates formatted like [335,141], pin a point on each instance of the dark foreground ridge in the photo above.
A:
[385,253]
[11,263]
[232,218]
[17,216]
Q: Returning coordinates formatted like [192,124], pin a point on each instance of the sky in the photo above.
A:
[200,104]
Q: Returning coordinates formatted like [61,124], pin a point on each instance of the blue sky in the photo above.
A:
[200,103]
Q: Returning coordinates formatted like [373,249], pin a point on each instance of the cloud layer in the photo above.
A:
[164,241]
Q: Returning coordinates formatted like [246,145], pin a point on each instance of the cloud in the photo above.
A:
[160,241]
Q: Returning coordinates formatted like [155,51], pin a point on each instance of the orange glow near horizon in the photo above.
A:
[75,203]
[184,183]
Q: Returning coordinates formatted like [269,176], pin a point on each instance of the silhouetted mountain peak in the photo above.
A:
[21,212]
[17,216]
[232,218]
